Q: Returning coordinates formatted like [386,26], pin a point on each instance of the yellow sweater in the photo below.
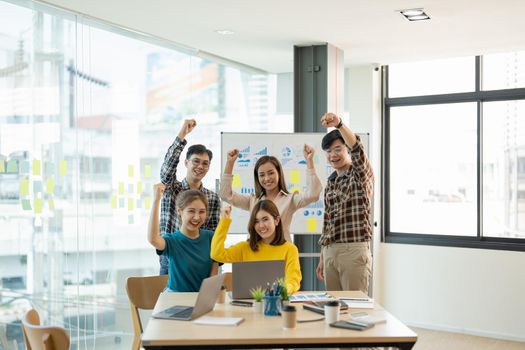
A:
[242,252]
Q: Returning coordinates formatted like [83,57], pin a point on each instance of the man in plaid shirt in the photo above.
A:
[346,260]
[197,162]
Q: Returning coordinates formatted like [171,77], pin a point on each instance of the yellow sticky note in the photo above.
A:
[62,168]
[295,176]
[131,204]
[236,182]
[121,188]
[50,185]
[38,205]
[36,168]
[2,165]
[295,189]
[113,202]
[24,187]
[131,170]
[147,171]
[139,187]
[311,225]
[51,204]
[147,203]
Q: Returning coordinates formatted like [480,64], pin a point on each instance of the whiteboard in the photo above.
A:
[288,148]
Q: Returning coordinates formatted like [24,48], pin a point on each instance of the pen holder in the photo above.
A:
[272,305]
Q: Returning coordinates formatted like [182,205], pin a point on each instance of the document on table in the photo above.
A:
[218,321]
[358,303]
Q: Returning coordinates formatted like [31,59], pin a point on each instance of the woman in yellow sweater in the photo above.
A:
[266,242]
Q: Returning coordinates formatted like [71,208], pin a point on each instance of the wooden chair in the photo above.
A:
[143,293]
[228,281]
[37,337]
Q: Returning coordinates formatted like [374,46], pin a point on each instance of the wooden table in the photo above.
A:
[264,332]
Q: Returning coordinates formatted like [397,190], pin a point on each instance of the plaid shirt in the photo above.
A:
[348,202]
[169,220]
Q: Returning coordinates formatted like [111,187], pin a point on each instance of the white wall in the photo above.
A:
[473,291]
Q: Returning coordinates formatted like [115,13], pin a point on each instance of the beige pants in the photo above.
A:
[347,266]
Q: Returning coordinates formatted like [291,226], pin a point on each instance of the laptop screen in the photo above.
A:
[251,274]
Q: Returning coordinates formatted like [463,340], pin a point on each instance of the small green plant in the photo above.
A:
[257,293]
[283,291]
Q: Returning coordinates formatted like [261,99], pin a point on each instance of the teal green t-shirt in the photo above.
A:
[189,260]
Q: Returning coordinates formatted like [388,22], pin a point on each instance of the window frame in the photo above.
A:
[479,97]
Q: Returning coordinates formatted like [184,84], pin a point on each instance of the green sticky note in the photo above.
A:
[26,205]
[130,219]
[139,187]
[131,203]
[113,202]
[130,188]
[24,187]
[2,166]
[62,168]
[24,167]
[147,171]
[139,204]
[51,203]
[38,205]
[121,188]
[37,186]
[121,203]
[37,167]
[131,170]
[50,185]
[12,166]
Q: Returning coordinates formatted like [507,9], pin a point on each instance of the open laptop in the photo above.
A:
[208,294]
[251,274]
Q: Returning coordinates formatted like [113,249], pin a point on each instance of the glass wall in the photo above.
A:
[86,116]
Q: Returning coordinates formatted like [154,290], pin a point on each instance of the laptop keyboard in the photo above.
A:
[184,313]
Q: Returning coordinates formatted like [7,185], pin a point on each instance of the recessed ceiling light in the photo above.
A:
[415,14]
[225,32]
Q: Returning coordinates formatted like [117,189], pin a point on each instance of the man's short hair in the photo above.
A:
[330,138]
[198,149]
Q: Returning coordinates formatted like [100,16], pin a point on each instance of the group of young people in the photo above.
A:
[190,236]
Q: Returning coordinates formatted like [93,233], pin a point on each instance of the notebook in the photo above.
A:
[251,274]
[208,294]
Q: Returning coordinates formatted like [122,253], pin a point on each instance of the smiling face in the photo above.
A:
[337,155]
[265,225]
[198,166]
[192,216]
[268,177]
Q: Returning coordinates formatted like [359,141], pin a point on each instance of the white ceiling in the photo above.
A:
[369,31]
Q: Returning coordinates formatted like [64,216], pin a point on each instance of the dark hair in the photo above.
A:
[269,207]
[259,190]
[198,149]
[185,198]
[330,138]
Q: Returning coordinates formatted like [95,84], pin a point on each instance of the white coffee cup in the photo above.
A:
[331,311]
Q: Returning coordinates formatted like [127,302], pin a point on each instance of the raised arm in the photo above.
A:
[168,171]
[226,193]
[313,183]
[154,237]
[218,252]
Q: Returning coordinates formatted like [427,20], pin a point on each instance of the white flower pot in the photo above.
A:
[257,307]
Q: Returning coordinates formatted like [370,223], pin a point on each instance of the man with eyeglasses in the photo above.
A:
[345,262]
[197,162]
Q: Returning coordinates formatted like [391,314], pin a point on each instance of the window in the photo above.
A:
[87,113]
[455,153]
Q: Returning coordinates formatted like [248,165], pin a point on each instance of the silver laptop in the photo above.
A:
[208,294]
[251,274]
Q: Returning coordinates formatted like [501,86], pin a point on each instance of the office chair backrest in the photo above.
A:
[143,293]
[39,337]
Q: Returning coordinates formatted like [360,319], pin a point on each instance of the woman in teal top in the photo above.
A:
[188,249]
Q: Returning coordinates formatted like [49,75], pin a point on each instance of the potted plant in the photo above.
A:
[283,292]
[258,296]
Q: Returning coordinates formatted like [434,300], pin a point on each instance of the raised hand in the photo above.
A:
[158,190]
[330,120]
[233,155]
[187,127]
[308,152]
[226,211]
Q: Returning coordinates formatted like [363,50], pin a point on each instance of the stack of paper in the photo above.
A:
[218,321]
[359,303]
